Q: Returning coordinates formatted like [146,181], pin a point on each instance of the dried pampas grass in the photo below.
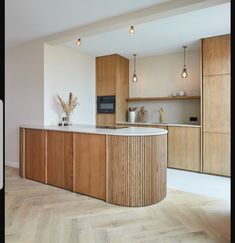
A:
[69,106]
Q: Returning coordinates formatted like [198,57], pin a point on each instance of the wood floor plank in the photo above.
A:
[41,213]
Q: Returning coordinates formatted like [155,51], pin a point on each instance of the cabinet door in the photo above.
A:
[216,103]
[216,55]
[184,148]
[90,169]
[105,119]
[106,75]
[35,154]
[60,159]
[216,153]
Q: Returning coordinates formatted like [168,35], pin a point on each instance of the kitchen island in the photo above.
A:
[123,166]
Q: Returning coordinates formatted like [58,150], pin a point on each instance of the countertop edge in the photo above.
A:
[130,131]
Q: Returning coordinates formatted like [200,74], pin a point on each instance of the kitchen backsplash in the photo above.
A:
[174,111]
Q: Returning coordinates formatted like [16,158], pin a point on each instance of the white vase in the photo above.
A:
[132,116]
[69,120]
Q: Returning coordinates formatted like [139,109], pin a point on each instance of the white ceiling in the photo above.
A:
[161,36]
[31,19]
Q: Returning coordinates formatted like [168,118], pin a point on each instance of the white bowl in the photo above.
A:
[181,93]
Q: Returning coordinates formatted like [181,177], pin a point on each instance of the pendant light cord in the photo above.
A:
[184,54]
[134,63]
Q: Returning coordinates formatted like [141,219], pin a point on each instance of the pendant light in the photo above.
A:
[184,73]
[131,30]
[134,78]
[78,42]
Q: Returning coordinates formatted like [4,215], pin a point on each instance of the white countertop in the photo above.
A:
[159,124]
[130,131]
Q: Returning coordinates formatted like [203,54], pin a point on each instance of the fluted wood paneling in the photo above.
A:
[136,169]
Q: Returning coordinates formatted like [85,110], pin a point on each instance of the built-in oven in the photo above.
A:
[106,104]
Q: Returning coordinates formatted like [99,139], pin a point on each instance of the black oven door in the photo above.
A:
[105,104]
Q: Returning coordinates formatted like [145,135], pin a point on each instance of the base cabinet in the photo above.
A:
[89,168]
[184,148]
[216,153]
[72,161]
[60,159]
[34,154]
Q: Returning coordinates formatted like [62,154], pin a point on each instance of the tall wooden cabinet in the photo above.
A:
[112,78]
[216,82]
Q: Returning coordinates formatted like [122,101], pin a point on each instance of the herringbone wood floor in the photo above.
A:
[38,213]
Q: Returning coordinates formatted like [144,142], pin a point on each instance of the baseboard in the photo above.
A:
[12,164]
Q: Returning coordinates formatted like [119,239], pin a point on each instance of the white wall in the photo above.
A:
[67,69]
[160,76]
[23,93]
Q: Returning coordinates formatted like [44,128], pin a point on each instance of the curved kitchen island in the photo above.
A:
[125,166]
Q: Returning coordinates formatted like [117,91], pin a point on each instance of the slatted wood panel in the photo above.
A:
[60,159]
[217,153]
[35,154]
[216,103]
[216,55]
[90,170]
[136,169]
[184,148]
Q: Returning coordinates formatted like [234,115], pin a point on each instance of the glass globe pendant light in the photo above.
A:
[134,78]
[184,73]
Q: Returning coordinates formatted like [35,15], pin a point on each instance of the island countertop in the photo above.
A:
[129,131]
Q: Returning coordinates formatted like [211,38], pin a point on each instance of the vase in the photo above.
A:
[132,116]
[69,121]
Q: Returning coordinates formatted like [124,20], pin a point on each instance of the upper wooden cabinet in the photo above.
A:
[35,154]
[112,78]
[106,75]
[60,159]
[184,148]
[216,103]
[216,55]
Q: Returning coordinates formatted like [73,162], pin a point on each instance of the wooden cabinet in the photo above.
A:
[34,154]
[216,103]
[184,148]
[106,75]
[217,152]
[112,78]
[216,86]
[90,169]
[60,159]
[216,55]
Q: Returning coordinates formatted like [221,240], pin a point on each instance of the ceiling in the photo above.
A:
[26,20]
[161,36]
